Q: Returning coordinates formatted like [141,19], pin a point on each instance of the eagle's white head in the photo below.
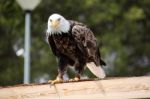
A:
[57,24]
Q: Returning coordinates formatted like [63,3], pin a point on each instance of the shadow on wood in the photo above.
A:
[128,87]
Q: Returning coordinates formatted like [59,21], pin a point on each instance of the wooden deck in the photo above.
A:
[113,88]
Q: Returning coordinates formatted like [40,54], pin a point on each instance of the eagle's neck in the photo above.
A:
[64,28]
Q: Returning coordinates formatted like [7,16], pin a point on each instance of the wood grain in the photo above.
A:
[128,87]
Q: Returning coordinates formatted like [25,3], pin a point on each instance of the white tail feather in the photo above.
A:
[96,70]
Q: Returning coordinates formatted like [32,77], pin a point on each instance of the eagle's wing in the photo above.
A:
[84,38]
[87,43]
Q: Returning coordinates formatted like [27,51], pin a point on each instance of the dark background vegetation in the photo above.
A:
[122,27]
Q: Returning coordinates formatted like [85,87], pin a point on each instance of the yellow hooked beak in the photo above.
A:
[55,23]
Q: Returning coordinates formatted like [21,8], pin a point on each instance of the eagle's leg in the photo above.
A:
[78,71]
[76,78]
[59,79]
[62,64]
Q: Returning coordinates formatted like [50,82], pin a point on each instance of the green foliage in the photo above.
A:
[122,27]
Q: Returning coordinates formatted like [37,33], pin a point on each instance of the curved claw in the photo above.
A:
[56,81]
[75,79]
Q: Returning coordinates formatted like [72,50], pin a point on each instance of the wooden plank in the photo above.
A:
[29,92]
[129,87]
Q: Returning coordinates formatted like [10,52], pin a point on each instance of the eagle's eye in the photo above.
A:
[50,20]
[59,19]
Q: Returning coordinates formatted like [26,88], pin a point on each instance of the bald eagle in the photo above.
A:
[73,44]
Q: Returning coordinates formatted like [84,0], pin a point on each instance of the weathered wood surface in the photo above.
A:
[128,87]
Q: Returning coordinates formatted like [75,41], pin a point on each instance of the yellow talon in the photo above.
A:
[57,80]
[75,79]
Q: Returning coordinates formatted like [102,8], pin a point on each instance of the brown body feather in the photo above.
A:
[76,48]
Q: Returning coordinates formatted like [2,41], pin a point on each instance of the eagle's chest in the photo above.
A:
[64,43]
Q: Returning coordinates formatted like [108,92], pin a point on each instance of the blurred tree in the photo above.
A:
[122,26]
[10,65]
